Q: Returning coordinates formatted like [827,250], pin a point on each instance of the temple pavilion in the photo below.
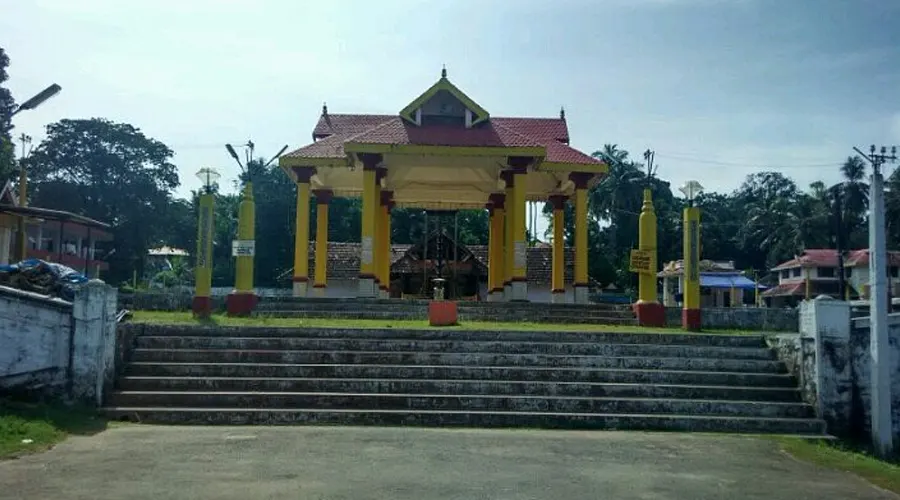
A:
[442,152]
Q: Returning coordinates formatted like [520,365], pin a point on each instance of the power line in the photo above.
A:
[678,157]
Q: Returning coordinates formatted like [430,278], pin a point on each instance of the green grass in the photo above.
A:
[27,427]
[162,317]
[846,457]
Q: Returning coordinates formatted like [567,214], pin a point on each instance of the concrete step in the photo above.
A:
[449,372]
[282,416]
[448,346]
[422,315]
[721,340]
[455,358]
[450,387]
[461,402]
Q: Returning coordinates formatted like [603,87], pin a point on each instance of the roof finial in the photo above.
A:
[562,113]
[324,108]
[444,71]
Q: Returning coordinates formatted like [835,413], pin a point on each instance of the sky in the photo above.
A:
[719,89]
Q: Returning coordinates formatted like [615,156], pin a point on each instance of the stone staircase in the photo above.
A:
[286,307]
[257,375]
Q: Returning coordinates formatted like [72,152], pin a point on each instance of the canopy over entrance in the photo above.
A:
[442,151]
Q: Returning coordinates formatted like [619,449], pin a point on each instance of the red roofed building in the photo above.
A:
[443,152]
[815,272]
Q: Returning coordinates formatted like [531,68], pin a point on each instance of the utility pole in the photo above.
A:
[882,435]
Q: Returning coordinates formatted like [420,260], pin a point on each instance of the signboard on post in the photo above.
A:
[640,261]
[243,248]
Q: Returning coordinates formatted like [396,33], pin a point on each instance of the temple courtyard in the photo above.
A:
[199,462]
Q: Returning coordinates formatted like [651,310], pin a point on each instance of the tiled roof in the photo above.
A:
[333,130]
[816,288]
[399,131]
[827,257]
[343,261]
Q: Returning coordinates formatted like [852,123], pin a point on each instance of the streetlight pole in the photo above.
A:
[203,267]
[879,339]
[21,245]
[690,314]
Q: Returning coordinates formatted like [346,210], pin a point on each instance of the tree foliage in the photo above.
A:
[7,106]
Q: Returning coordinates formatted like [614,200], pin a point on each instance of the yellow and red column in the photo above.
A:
[370,203]
[323,199]
[648,309]
[690,314]
[581,285]
[301,235]
[520,244]
[557,274]
[496,247]
[242,300]
[508,224]
[384,241]
[202,303]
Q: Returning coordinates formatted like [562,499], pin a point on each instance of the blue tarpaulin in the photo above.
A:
[727,281]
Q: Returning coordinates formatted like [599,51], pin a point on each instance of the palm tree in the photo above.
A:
[855,198]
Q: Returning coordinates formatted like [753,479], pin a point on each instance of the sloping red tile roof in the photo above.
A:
[333,130]
[827,257]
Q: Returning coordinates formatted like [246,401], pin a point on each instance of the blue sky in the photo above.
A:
[719,89]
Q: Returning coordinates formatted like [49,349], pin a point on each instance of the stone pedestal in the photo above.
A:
[318,291]
[93,348]
[558,298]
[519,291]
[201,307]
[300,288]
[366,288]
[650,313]
[826,375]
[240,304]
[691,320]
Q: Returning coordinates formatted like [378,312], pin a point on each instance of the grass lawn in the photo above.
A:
[842,456]
[28,427]
[164,317]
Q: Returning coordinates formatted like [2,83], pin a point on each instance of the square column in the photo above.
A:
[369,214]
[496,250]
[520,245]
[301,236]
[384,232]
[508,224]
[558,280]
[323,198]
[581,236]
[377,246]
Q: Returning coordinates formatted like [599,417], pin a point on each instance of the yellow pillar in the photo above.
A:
[520,244]
[323,198]
[508,225]
[492,249]
[581,237]
[370,202]
[242,300]
[384,244]
[690,315]
[202,303]
[647,243]
[377,247]
[301,236]
[558,283]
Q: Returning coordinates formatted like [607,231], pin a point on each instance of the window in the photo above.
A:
[785,273]
[826,272]
[893,271]
[848,271]
[795,272]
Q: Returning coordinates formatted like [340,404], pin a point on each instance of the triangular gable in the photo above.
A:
[463,252]
[479,114]
[8,194]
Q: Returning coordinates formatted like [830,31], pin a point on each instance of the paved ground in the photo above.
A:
[148,462]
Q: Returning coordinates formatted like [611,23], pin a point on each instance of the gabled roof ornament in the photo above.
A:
[444,71]
[562,113]
[324,109]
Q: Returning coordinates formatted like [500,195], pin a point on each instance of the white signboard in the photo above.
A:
[243,248]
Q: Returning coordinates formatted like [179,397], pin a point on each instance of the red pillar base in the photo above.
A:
[650,313]
[202,307]
[442,313]
[690,319]
[240,304]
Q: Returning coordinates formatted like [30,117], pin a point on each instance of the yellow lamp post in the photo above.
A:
[690,314]
[242,300]
[202,303]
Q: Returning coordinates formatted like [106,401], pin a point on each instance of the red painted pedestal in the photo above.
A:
[442,313]
[202,307]
[690,319]
[650,313]
[240,304]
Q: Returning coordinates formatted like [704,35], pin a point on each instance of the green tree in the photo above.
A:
[7,105]
[855,201]
[111,172]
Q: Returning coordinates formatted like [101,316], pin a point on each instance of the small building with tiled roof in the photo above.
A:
[444,152]
[721,285]
[815,272]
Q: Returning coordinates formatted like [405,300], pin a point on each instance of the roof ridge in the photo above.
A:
[391,120]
